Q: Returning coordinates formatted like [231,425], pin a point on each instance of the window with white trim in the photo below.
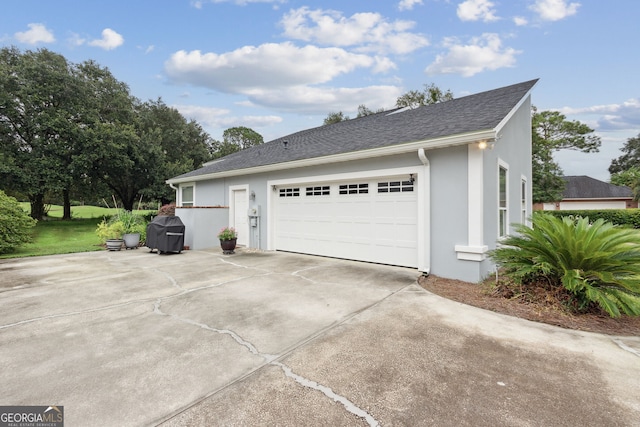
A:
[187,195]
[353,189]
[323,190]
[523,198]
[503,213]
[395,186]
[290,192]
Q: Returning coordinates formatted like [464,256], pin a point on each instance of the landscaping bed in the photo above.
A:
[536,306]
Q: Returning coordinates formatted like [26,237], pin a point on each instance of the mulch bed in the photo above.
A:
[537,306]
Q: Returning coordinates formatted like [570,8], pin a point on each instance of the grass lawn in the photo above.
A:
[51,237]
[78,211]
[61,237]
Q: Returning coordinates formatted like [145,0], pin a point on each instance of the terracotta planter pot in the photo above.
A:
[228,246]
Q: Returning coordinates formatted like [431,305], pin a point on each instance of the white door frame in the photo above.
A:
[232,208]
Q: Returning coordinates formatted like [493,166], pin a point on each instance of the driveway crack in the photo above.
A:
[272,360]
[625,347]
[327,391]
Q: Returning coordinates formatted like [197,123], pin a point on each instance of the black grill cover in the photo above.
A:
[166,234]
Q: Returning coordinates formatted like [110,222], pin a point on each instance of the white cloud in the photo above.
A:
[480,54]
[408,4]
[76,40]
[269,65]
[554,10]
[625,116]
[476,10]
[110,40]
[37,33]
[321,100]
[221,118]
[520,21]
[365,32]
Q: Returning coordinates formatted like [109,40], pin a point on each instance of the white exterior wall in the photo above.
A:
[201,226]
[513,148]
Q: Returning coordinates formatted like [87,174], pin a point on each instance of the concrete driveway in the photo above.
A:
[131,338]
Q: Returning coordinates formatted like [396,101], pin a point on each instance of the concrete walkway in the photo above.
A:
[131,339]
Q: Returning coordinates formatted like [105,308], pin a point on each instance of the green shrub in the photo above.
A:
[108,230]
[122,222]
[628,217]
[15,224]
[598,262]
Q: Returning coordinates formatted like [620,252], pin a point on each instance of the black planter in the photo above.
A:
[228,246]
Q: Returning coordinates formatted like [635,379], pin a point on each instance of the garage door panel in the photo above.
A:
[371,226]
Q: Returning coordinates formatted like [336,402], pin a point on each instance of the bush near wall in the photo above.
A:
[625,217]
[15,224]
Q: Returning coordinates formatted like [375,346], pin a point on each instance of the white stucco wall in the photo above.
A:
[201,226]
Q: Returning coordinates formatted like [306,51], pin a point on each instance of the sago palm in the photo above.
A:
[597,262]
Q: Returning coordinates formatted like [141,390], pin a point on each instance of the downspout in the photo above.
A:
[175,188]
[424,227]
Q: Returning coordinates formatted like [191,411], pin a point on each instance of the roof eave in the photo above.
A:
[427,144]
[506,118]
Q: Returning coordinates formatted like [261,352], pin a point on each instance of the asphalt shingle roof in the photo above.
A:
[585,187]
[478,112]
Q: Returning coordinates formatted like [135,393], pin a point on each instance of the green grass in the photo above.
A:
[78,211]
[61,237]
[53,236]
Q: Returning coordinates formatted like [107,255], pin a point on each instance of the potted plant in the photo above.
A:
[123,227]
[110,232]
[134,228]
[228,237]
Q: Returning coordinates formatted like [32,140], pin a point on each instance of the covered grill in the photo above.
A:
[166,234]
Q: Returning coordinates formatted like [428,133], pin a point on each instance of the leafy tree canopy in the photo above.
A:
[631,157]
[235,139]
[430,94]
[551,131]
[335,118]
[629,177]
[40,112]
[75,128]
[364,111]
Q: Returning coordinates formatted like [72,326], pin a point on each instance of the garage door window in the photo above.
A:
[318,191]
[395,186]
[290,192]
[353,189]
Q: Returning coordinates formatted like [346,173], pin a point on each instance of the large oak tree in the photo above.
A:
[74,127]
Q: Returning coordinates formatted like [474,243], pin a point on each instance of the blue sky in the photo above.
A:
[279,66]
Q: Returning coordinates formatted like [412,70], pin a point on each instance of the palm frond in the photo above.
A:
[597,262]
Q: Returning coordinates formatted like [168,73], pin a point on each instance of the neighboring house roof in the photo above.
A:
[584,187]
[484,111]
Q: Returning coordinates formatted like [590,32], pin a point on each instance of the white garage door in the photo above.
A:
[371,220]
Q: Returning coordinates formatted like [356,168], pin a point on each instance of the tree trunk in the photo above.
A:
[127,204]
[66,215]
[37,206]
